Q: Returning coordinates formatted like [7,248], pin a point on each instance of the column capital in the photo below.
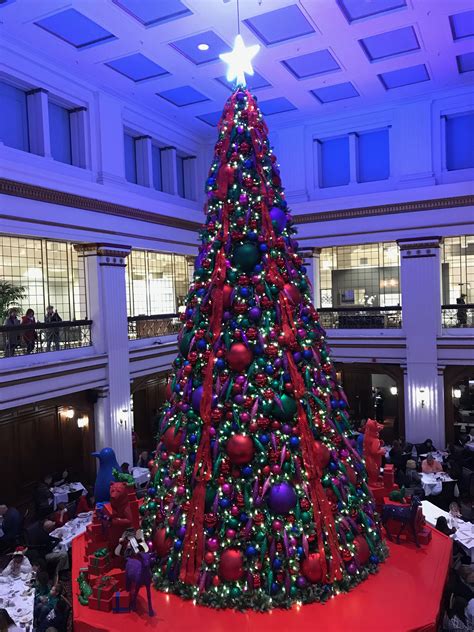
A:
[102,250]
[419,246]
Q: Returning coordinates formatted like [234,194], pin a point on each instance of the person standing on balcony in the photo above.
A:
[12,338]
[30,335]
[462,311]
[52,334]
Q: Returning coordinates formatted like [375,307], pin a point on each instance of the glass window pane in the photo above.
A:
[130,159]
[460,141]
[334,156]
[373,156]
[60,133]
[14,118]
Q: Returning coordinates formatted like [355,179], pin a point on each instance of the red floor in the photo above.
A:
[404,596]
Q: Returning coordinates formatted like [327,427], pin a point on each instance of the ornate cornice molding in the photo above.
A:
[103,250]
[52,196]
[386,209]
[419,243]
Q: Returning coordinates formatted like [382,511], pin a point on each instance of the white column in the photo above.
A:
[38,122]
[105,271]
[312,262]
[420,276]
[79,136]
[144,161]
[189,174]
[110,142]
[169,173]
[352,158]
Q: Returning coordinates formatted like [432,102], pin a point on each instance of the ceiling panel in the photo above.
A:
[311,64]
[404,76]
[360,9]
[211,118]
[151,12]
[462,25]
[254,82]
[465,62]
[384,45]
[185,95]
[137,67]
[276,106]
[338,92]
[189,47]
[75,29]
[280,25]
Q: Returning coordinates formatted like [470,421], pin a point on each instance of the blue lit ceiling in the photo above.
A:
[317,57]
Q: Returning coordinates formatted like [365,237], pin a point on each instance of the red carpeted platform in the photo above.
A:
[404,596]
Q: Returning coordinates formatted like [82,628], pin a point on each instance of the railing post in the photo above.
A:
[105,272]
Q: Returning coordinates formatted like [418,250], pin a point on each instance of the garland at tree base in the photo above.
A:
[261,601]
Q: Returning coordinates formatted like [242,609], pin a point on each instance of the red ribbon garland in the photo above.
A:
[193,544]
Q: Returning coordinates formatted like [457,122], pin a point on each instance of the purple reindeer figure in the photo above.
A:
[404,515]
[138,574]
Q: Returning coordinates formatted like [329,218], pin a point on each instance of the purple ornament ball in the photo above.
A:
[278,218]
[281,498]
[351,568]
[301,582]
[255,314]
[196,399]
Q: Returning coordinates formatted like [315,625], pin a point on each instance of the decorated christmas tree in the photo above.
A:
[259,498]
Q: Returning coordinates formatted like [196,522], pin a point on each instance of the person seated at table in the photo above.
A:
[86,503]
[442,525]
[10,523]
[143,459]
[46,602]
[54,613]
[39,537]
[42,586]
[60,479]
[61,515]
[125,468]
[426,446]
[43,497]
[19,565]
[431,466]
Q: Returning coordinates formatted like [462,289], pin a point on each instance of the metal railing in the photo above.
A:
[457,315]
[153,326]
[360,317]
[44,337]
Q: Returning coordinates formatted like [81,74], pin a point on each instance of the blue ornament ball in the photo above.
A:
[250,551]
[177,545]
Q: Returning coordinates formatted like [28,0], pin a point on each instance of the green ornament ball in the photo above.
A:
[288,410]
[233,523]
[306,517]
[235,591]
[246,257]
[231,276]
[260,536]
[349,536]
[143,510]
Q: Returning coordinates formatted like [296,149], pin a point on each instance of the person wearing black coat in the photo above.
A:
[10,524]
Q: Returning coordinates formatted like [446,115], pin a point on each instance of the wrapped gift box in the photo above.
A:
[98,565]
[104,587]
[121,601]
[104,605]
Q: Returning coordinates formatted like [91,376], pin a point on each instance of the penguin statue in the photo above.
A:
[107,462]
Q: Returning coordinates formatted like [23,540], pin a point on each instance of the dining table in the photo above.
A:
[141,475]
[71,529]
[17,598]
[464,530]
[432,483]
[61,492]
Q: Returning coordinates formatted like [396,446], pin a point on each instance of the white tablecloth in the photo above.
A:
[433,483]
[437,456]
[464,530]
[17,597]
[470,445]
[61,493]
[71,530]
[141,475]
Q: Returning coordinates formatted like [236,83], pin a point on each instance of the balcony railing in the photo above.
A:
[153,326]
[44,337]
[361,317]
[457,315]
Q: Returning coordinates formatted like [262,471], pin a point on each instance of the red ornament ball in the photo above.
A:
[162,543]
[322,454]
[239,357]
[231,566]
[171,440]
[362,550]
[227,292]
[292,293]
[311,568]
[209,557]
[240,449]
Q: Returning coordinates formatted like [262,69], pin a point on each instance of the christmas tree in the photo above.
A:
[259,498]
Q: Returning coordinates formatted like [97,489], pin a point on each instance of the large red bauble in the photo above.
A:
[231,566]
[311,568]
[239,357]
[322,454]
[240,449]
[171,440]
[226,292]
[362,550]
[292,293]
[162,543]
